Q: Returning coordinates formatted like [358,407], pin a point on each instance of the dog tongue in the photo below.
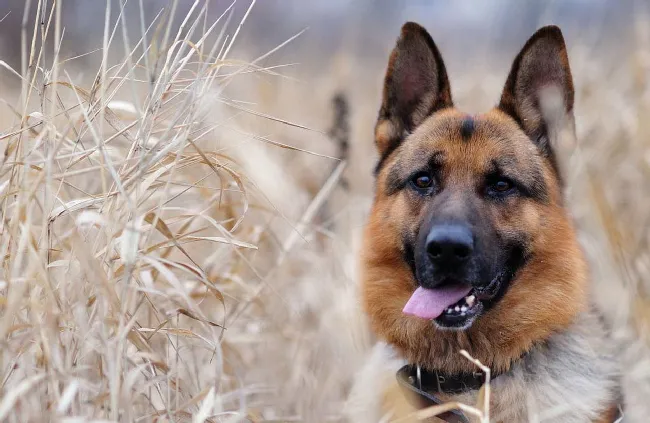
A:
[430,303]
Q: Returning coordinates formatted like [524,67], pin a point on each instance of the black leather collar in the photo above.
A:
[421,388]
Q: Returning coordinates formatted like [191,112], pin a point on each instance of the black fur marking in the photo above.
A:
[517,259]
[395,181]
[467,128]
[389,151]
[409,255]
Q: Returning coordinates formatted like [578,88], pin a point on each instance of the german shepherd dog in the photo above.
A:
[469,245]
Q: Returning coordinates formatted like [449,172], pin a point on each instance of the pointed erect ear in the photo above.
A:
[539,90]
[415,86]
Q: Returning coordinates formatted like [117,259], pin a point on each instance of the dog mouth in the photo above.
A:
[455,305]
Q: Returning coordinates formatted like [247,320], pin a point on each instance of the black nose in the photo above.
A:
[450,244]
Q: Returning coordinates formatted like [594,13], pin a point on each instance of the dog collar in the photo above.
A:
[421,386]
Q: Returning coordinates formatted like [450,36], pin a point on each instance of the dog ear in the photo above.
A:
[539,90]
[415,86]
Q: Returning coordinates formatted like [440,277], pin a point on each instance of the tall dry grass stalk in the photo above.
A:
[126,249]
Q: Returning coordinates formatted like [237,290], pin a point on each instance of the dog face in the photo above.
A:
[468,245]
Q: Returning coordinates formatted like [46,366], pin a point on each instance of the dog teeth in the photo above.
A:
[462,306]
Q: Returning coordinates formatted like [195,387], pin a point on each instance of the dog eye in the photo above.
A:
[422,181]
[500,186]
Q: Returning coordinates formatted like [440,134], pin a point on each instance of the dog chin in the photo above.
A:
[454,321]
[465,325]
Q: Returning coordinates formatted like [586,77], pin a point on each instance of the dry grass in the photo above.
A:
[169,254]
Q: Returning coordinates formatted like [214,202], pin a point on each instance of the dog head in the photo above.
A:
[469,245]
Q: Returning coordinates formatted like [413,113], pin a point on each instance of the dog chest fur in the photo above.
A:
[570,378]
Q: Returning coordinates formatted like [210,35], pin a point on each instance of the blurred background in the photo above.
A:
[295,345]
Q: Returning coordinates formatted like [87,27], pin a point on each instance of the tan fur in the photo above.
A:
[608,416]
[385,133]
[534,306]
[548,299]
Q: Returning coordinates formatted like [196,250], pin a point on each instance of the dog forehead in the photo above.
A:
[479,139]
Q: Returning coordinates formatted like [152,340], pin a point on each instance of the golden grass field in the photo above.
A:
[179,236]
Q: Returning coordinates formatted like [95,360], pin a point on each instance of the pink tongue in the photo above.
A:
[430,303]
